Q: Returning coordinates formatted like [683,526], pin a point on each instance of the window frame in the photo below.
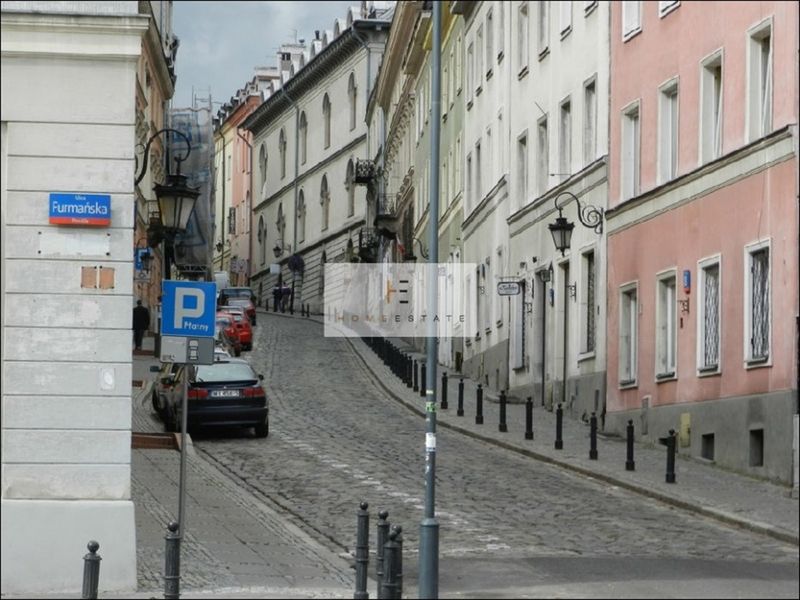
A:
[708,62]
[523,45]
[632,322]
[635,185]
[543,28]
[755,35]
[628,34]
[666,91]
[662,370]
[750,361]
[523,170]
[542,156]
[703,264]
[584,309]
[667,6]
[564,26]
[565,138]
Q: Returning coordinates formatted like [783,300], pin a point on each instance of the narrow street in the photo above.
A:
[510,526]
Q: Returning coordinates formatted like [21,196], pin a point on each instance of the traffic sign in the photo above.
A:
[189,308]
[508,288]
[80,209]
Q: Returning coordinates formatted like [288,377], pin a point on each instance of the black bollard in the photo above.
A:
[529,418]
[398,559]
[382,538]
[559,418]
[390,551]
[460,409]
[479,405]
[443,405]
[671,457]
[172,562]
[362,551]
[91,571]
[593,437]
[502,427]
[423,381]
[629,464]
[416,380]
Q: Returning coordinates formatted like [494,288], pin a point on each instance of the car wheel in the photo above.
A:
[154,399]
[170,422]
[262,430]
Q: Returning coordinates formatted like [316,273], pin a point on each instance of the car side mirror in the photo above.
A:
[155,369]
[261,377]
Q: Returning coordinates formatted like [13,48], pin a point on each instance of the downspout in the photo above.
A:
[249,209]
[296,175]
[364,45]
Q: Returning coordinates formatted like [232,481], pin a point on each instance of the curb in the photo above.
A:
[707,511]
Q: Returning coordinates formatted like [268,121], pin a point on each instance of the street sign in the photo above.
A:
[508,288]
[189,308]
[80,209]
[187,350]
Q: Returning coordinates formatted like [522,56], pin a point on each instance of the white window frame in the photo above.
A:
[668,130]
[524,35]
[489,43]
[711,140]
[501,30]
[584,308]
[631,324]
[565,18]
[542,156]
[667,6]
[588,7]
[523,181]
[704,370]
[480,51]
[478,173]
[631,155]
[498,307]
[543,28]
[749,250]
[590,121]
[666,317]
[758,121]
[470,72]
[631,27]
[565,138]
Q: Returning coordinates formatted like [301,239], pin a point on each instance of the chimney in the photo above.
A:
[316,34]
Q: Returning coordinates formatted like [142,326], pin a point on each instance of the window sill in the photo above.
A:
[489,74]
[499,323]
[626,37]
[589,9]
[478,91]
[469,105]
[663,377]
[628,384]
[522,72]
[709,371]
[586,356]
[488,330]
[543,53]
[444,117]
[669,9]
[757,363]
[566,32]
[500,56]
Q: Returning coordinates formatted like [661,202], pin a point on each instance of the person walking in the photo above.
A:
[141,321]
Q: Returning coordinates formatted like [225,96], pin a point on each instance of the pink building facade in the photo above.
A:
[702,229]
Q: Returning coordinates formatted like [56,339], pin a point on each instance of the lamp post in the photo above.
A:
[544,276]
[561,230]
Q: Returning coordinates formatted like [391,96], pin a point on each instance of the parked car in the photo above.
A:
[242,325]
[162,381]
[241,296]
[226,393]
[226,334]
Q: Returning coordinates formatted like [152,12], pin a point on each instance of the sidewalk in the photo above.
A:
[729,497]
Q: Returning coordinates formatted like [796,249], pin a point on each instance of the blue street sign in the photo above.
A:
[80,209]
[189,308]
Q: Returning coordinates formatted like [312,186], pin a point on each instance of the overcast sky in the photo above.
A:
[222,42]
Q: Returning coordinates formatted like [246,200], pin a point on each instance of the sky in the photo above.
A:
[222,42]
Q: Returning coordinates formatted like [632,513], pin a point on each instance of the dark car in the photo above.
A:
[227,393]
[240,296]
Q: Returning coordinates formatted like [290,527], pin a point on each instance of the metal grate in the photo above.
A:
[590,311]
[759,340]
[711,316]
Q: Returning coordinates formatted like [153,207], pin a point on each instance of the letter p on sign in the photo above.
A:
[182,295]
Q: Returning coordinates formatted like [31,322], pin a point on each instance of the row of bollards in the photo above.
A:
[389,556]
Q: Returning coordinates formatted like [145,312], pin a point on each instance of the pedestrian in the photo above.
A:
[141,321]
[286,293]
[276,297]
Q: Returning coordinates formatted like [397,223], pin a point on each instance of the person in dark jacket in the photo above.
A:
[141,321]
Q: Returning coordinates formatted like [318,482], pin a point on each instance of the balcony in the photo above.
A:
[386,216]
[365,171]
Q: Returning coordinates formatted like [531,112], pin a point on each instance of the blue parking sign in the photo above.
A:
[189,308]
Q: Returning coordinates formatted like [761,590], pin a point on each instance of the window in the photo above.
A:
[630,153]
[459,64]
[711,108]
[759,82]
[667,6]
[351,188]
[351,95]
[565,17]
[628,334]
[230,166]
[565,141]
[588,6]
[457,182]
[489,43]
[452,81]
[587,307]
[666,327]
[542,158]
[522,169]
[708,316]
[470,200]
[470,71]
[498,300]
[668,132]
[326,117]
[631,18]
[282,150]
[262,241]
[301,216]
[490,166]
[589,122]
[523,47]
[757,317]
[480,51]
[303,138]
[501,29]
[478,173]
[543,41]
[262,164]
[445,87]
[232,219]
[325,201]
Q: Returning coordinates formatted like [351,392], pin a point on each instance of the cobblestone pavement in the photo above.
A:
[506,521]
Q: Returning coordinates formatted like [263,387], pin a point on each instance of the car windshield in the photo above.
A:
[241,301]
[240,292]
[225,371]
[223,321]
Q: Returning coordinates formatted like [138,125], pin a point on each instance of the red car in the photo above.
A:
[227,332]
[239,296]
[242,324]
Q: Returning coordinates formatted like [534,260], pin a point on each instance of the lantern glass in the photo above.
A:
[562,233]
[175,202]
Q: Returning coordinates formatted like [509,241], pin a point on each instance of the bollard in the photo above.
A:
[172,562]
[559,418]
[362,551]
[443,405]
[382,538]
[416,381]
[502,427]
[460,410]
[629,464]
[91,571]
[398,559]
[529,418]
[423,381]
[479,405]
[389,582]
[671,457]
[593,437]
[409,371]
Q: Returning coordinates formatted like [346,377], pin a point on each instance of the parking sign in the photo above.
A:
[189,308]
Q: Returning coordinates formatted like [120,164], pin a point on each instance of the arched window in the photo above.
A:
[301,217]
[325,201]
[351,95]
[326,118]
[262,165]
[303,138]
[246,213]
[350,186]
[280,224]
[282,149]
[262,241]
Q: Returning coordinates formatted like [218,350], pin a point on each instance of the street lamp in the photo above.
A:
[561,230]
[408,256]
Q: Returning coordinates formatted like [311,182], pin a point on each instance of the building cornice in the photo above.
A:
[152,41]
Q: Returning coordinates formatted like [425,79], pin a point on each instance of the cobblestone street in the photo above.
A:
[507,522]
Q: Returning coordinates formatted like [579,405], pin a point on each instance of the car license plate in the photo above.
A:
[225,393]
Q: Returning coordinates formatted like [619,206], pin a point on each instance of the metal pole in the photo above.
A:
[362,551]
[544,331]
[172,562]
[444,391]
[593,437]
[460,410]
[182,487]
[502,427]
[559,445]
[630,465]
[91,571]
[382,538]
[671,457]
[529,418]
[429,528]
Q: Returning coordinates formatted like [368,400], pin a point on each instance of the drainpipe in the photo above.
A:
[296,190]
[364,45]
[250,211]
